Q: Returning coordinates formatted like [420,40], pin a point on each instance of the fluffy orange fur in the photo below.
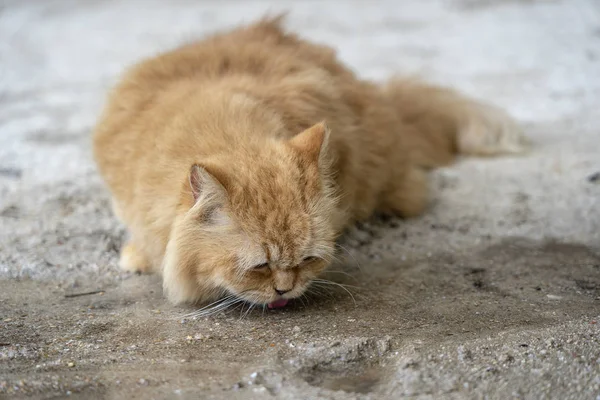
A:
[237,161]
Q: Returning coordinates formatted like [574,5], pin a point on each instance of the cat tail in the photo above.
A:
[441,123]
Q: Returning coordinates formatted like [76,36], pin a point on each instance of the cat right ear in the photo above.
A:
[312,142]
[206,182]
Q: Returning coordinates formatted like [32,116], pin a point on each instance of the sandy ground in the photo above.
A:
[495,293]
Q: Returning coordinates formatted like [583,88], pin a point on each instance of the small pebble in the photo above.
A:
[554,297]
[594,178]
[70,364]
[255,379]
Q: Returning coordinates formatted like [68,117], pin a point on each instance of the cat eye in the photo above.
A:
[260,267]
[309,259]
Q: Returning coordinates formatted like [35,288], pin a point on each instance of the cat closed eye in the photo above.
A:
[307,260]
[261,267]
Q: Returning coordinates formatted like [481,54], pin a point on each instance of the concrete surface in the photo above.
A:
[495,293]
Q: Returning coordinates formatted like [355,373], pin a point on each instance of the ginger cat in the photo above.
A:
[237,161]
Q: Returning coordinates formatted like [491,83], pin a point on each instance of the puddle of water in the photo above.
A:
[359,383]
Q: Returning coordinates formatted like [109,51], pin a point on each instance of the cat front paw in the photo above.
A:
[488,130]
[133,260]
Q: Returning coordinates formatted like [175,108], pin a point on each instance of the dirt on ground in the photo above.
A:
[494,293]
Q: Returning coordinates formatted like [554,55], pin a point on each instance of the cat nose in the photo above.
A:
[282,292]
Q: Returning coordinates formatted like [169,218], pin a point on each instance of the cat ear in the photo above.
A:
[207,182]
[313,141]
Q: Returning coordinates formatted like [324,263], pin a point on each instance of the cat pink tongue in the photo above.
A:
[278,303]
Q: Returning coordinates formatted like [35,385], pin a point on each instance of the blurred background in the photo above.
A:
[536,57]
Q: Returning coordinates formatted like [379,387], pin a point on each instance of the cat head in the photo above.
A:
[260,224]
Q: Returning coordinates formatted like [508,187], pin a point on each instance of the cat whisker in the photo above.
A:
[214,304]
[337,259]
[242,309]
[213,311]
[325,282]
[301,300]
[218,308]
[252,305]
[340,272]
[313,287]
[239,304]
[319,291]
[304,296]
[350,254]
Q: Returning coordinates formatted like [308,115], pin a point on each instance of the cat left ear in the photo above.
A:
[313,141]
[205,183]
